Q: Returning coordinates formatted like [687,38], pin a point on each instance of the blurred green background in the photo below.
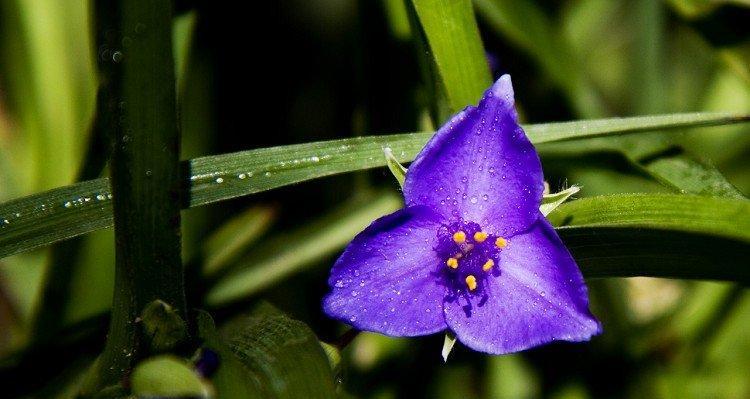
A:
[273,73]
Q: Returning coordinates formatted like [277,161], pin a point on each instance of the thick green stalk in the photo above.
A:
[450,37]
[145,180]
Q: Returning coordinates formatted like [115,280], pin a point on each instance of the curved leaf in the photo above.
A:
[267,354]
[660,235]
[69,211]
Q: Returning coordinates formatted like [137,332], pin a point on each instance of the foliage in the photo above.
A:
[657,95]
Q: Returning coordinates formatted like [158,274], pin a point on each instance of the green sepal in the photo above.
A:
[398,170]
[551,201]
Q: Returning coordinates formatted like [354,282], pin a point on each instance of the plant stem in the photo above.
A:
[144,176]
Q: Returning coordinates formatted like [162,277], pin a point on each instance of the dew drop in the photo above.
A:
[339,284]
[219,180]
[473,199]
[241,176]
[117,56]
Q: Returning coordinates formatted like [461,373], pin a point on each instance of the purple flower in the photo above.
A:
[471,251]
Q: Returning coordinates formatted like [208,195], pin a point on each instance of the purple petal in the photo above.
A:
[538,297]
[481,167]
[384,281]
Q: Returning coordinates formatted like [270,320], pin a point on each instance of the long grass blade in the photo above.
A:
[69,211]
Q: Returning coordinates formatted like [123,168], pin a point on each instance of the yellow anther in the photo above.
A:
[471,282]
[488,265]
[459,237]
[480,236]
[452,263]
[501,242]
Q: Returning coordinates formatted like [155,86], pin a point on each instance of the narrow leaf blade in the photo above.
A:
[42,219]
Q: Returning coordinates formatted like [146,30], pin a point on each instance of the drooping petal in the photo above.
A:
[385,279]
[538,297]
[481,167]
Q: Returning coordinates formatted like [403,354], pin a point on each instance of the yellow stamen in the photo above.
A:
[459,237]
[480,236]
[488,265]
[501,242]
[452,263]
[471,282]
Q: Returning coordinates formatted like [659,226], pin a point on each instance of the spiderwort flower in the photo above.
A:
[471,251]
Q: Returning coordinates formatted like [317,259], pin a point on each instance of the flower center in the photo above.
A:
[470,257]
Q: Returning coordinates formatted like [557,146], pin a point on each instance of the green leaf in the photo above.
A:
[231,380]
[280,355]
[660,235]
[69,211]
[551,201]
[689,175]
[716,216]
[167,377]
[453,40]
